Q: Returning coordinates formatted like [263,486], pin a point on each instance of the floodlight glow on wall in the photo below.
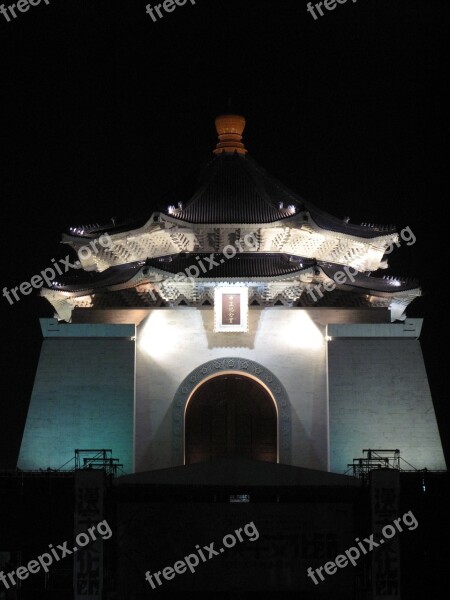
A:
[160,335]
[296,330]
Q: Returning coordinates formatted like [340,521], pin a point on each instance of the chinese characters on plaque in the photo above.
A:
[231,309]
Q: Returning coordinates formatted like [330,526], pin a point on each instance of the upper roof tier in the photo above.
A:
[232,188]
[232,197]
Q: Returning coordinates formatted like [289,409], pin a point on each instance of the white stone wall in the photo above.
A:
[83,395]
[373,373]
[172,343]
[380,398]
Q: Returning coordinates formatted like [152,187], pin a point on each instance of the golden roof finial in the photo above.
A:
[229,129]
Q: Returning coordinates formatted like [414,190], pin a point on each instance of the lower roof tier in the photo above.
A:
[190,279]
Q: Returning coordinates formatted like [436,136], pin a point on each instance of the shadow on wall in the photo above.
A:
[158,452]
[303,453]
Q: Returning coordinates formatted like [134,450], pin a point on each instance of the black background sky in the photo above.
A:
[103,111]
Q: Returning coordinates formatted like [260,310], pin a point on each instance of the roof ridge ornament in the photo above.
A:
[229,129]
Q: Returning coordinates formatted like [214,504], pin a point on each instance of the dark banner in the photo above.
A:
[88,562]
[386,558]
[154,537]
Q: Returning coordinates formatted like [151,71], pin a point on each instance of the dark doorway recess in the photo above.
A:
[231,416]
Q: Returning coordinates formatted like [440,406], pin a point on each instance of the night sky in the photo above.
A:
[104,111]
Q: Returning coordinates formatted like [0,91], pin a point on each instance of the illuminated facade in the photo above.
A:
[238,320]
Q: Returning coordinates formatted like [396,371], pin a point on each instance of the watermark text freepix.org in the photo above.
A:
[348,273]
[407,236]
[229,251]
[328,4]
[191,561]
[45,560]
[192,272]
[352,554]
[22,6]
[168,6]
[340,277]
[48,274]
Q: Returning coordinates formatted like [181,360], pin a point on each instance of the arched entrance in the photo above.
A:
[234,366]
[231,415]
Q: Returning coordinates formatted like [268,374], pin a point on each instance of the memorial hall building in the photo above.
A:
[239,320]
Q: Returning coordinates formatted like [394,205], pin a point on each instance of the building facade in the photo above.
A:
[239,320]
